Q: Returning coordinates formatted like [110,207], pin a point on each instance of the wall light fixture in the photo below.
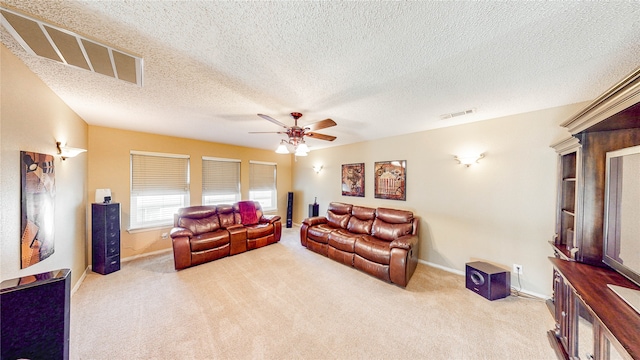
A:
[317,168]
[468,160]
[68,152]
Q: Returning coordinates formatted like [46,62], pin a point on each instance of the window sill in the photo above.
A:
[146,229]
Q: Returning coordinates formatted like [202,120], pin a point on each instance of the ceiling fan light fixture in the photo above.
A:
[302,147]
[300,153]
[282,149]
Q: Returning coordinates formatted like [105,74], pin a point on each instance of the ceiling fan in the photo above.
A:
[297,133]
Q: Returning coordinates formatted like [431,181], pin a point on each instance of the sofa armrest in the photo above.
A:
[181,252]
[316,220]
[270,218]
[234,227]
[406,242]
[180,231]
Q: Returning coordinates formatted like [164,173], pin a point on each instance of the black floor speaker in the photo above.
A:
[34,316]
[488,280]
[289,209]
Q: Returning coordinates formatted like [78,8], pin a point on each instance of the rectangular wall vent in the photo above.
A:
[456,114]
[66,47]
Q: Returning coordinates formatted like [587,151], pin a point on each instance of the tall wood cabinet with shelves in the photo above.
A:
[591,322]
[567,205]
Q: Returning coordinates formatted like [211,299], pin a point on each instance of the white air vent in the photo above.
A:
[456,114]
[66,47]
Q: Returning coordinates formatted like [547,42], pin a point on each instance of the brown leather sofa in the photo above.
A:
[381,242]
[207,233]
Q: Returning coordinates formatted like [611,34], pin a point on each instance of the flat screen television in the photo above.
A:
[622,213]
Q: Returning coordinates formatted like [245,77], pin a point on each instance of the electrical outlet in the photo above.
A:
[517,269]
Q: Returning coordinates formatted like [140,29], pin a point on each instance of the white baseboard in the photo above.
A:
[145,255]
[459,272]
[84,275]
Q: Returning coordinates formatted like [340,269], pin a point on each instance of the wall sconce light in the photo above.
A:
[317,168]
[68,152]
[468,160]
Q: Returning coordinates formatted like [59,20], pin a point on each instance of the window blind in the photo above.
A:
[158,174]
[220,177]
[159,187]
[262,185]
[262,177]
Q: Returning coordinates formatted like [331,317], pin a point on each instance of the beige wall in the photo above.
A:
[109,151]
[500,210]
[33,118]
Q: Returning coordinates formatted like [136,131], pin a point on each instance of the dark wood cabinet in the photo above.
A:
[591,321]
[105,238]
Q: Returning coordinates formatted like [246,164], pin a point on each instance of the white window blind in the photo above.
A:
[220,181]
[262,185]
[159,187]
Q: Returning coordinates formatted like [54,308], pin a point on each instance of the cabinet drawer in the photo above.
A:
[113,247]
[112,264]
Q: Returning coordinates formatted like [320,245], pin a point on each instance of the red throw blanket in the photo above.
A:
[248,212]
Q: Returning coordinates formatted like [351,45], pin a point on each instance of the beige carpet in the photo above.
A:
[286,302]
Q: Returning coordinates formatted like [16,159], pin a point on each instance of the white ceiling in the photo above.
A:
[377,68]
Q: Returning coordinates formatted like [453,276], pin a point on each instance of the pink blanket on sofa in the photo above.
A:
[248,212]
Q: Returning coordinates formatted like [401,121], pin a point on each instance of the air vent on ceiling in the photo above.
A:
[51,42]
[456,114]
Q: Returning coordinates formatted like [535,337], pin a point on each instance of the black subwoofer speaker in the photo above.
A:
[35,316]
[488,280]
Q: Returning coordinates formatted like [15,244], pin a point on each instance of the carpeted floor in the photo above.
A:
[286,302]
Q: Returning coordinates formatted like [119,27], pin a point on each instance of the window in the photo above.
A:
[220,181]
[159,187]
[262,184]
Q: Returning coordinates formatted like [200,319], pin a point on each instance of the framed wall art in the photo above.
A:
[37,178]
[353,179]
[390,180]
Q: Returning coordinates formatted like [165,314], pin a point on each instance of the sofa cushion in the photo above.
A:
[372,249]
[209,240]
[389,232]
[338,214]
[200,225]
[259,230]
[394,216]
[320,233]
[225,215]
[342,240]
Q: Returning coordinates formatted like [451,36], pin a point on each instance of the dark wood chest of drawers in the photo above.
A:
[105,240]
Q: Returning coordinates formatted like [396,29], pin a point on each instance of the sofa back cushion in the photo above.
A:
[391,224]
[199,219]
[361,220]
[338,214]
[226,216]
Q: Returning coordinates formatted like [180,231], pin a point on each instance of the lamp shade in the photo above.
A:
[282,149]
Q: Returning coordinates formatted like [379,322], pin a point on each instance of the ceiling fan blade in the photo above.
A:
[320,136]
[267,132]
[269,118]
[322,124]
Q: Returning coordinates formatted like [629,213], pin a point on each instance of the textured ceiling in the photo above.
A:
[377,68]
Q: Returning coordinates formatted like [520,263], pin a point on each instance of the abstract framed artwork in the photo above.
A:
[353,179]
[390,180]
[37,178]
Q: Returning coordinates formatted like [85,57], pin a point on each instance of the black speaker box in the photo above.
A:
[488,280]
[34,317]
[289,209]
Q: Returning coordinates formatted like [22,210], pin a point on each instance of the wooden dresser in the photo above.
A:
[592,322]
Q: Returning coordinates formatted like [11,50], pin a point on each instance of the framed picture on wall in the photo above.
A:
[390,180]
[37,177]
[353,179]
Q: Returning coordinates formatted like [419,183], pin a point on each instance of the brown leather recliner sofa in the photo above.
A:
[206,233]
[381,242]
